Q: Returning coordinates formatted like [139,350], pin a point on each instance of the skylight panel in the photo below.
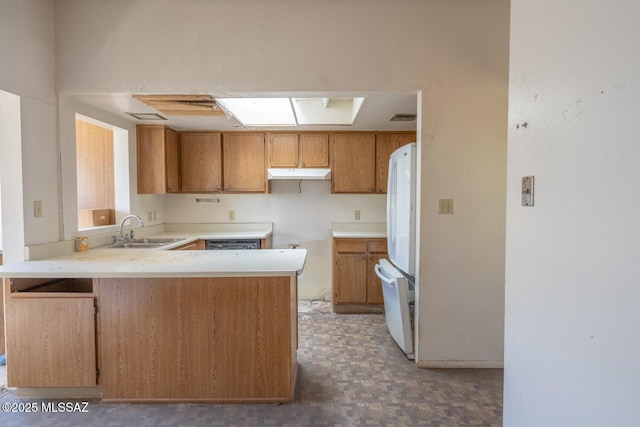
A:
[260,111]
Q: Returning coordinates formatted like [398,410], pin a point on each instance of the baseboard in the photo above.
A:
[59,393]
[460,364]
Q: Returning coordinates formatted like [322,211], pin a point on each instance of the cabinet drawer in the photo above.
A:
[377,245]
[351,245]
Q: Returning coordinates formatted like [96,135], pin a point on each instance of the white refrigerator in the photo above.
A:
[398,277]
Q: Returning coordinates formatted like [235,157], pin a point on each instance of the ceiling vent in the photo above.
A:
[147,116]
[183,105]
[403,117]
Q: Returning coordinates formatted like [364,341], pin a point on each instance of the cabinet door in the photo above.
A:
[51,342]
[354,157]
[314,150]
[172,161]
[150,147]
[284,150]
[244,163]
[350,281]
[385,145]
[201,158]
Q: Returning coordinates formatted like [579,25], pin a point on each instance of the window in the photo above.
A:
[101,164]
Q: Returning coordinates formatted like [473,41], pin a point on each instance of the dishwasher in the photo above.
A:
[231,244]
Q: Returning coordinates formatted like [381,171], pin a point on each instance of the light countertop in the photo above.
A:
[128,262]
[359,230]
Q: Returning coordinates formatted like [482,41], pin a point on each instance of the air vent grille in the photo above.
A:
[147,116]
[403,117]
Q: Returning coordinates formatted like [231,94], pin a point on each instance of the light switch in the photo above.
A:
[37,208]
[445,206]
[356,215]
[232,215]
[527,191]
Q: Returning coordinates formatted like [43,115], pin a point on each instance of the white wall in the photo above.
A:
[453,52]
[302,218]
[27,50]
[124,137]
[572,270]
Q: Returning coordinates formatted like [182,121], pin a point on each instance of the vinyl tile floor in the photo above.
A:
[350,372]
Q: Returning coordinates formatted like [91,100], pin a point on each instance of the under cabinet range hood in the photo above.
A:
[297,174]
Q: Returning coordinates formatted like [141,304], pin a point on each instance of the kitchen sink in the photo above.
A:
[151,242]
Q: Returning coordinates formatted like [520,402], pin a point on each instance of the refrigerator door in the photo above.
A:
[401,201]
[397,296]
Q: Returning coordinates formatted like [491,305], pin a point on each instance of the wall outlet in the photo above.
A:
[155,217]
[37,208]
[356,215]
[232,215]
[149,216]
[445,206]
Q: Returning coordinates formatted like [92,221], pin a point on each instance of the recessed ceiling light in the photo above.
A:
[146,116]
[403,117]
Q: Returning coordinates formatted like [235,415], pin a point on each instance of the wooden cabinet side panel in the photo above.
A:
[51,342]
[2,340]
[386,144]
[172,161]
[244,163]
[150,159]
[353,165]
[284,150]
[314,150]
[196,338]
[201,162]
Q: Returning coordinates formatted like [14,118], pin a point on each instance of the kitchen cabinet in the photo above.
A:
[354,279]
[244,169]
[191,246]
[387,143]
[198,339]
[157,159]
[353,163]
[1,315]
[201,161]
[51,333]
[304,150]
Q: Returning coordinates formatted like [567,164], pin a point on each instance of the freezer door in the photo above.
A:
[395,289]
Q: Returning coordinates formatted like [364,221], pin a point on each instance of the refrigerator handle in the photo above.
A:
[382,277]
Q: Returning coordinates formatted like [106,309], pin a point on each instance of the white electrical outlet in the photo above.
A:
[356,215]
[149,216]
[232,215]
[155,217]
[445,206]
[37,208]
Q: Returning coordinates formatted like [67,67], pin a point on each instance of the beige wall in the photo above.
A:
[454,53]
[572,270]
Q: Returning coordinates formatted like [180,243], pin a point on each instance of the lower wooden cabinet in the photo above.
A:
[51,334]
[354,278]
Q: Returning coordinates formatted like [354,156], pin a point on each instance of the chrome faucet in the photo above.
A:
[121,239]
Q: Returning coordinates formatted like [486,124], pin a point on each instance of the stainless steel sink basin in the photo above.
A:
[160,240]
[148,243]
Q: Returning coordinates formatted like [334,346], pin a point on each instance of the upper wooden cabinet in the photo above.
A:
[244,162]
[305,150]
[387,143]
[353,163]
[157,159]
[201,161]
